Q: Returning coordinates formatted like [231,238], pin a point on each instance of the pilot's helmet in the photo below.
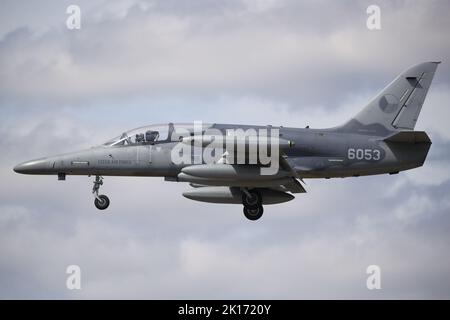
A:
[139,137]
[151,136]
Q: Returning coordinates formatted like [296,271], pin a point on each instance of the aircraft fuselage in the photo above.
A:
[315,154]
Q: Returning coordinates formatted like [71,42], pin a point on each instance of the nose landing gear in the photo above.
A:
[252,201]
[101,201]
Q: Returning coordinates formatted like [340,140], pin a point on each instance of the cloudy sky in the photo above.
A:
[290,63]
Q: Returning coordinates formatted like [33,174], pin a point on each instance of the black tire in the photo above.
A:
[253,213]
[254,201]
[103,203]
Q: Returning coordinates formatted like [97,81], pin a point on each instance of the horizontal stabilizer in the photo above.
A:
[409,137]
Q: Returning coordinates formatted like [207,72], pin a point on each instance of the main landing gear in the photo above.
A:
[101,201]
[252,201]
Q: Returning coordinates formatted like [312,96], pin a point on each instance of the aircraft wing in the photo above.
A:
[224,182]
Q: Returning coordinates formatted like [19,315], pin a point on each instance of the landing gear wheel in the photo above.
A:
[253,213]
[102,202]
[253,201]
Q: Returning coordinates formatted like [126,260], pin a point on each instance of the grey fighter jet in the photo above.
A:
[260,165]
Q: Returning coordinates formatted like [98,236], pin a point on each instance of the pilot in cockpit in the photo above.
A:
[140,138]
[125,139]
[151,136]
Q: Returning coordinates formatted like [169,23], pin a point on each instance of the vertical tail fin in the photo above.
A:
[397,106]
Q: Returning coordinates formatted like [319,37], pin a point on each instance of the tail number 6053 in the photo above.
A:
[363,154]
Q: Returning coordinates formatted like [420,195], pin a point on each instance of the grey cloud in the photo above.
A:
[298,251]
[157,50]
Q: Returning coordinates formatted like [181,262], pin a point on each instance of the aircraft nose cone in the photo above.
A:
[32,167]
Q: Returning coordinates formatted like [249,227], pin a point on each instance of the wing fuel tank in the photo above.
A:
[241,182]
[228,171]
[234,195]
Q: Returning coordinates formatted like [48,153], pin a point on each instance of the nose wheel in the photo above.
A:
[252,201]
[101,201]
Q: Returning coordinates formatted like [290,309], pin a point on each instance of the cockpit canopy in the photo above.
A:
[152,134]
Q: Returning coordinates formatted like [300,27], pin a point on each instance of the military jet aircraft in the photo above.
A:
[380,139]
